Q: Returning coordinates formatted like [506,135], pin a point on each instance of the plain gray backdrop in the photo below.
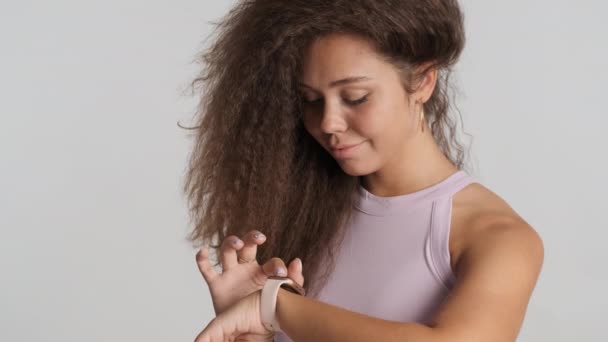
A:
[92,220]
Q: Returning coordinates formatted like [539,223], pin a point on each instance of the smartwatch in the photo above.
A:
[268,302]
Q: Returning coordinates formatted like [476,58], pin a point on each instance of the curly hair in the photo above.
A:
[253,164]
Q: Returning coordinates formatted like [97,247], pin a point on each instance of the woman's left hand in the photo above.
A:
[242,318]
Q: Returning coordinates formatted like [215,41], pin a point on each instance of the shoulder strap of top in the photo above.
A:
[437,250]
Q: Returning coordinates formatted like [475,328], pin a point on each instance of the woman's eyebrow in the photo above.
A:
[343,81]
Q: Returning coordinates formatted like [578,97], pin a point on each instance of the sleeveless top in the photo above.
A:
[394,261]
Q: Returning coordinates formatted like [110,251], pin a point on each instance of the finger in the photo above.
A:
[228,249]
[295,271]
[275,267]
[202,260]
[251,240]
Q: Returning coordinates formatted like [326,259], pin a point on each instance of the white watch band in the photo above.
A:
[268,302]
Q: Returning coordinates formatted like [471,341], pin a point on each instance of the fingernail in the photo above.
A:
[235,241]
[259,235]
[299,262]
[281,272]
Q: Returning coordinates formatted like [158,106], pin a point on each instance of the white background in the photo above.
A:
[92,220]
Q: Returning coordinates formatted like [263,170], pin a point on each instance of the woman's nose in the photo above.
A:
[332,120]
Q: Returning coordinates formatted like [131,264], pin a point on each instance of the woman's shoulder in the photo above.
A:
[476,201]
[478,211]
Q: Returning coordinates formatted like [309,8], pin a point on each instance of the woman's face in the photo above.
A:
[350,96]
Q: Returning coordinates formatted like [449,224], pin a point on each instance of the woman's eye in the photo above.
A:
[357,102]
[349,102]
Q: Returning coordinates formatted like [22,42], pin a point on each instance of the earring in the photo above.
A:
[422,117]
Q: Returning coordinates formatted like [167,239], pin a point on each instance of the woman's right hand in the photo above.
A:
[241,274]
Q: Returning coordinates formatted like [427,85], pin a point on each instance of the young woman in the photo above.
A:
[324,125]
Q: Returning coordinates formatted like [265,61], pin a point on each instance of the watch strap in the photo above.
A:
[269,299]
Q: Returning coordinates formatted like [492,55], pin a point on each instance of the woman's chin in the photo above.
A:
[353,167]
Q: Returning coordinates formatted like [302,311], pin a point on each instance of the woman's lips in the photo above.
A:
[347,151]
[341,147]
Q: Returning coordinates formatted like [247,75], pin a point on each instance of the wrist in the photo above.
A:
[282,297]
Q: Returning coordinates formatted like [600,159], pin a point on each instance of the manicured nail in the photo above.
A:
[259,235]
[281,272]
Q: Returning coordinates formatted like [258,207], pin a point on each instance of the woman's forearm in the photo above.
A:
[304,319]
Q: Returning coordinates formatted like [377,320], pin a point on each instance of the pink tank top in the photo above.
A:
[402,240]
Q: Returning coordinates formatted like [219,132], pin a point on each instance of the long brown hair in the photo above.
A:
[253,165]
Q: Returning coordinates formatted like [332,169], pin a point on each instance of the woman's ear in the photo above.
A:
[427,83]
